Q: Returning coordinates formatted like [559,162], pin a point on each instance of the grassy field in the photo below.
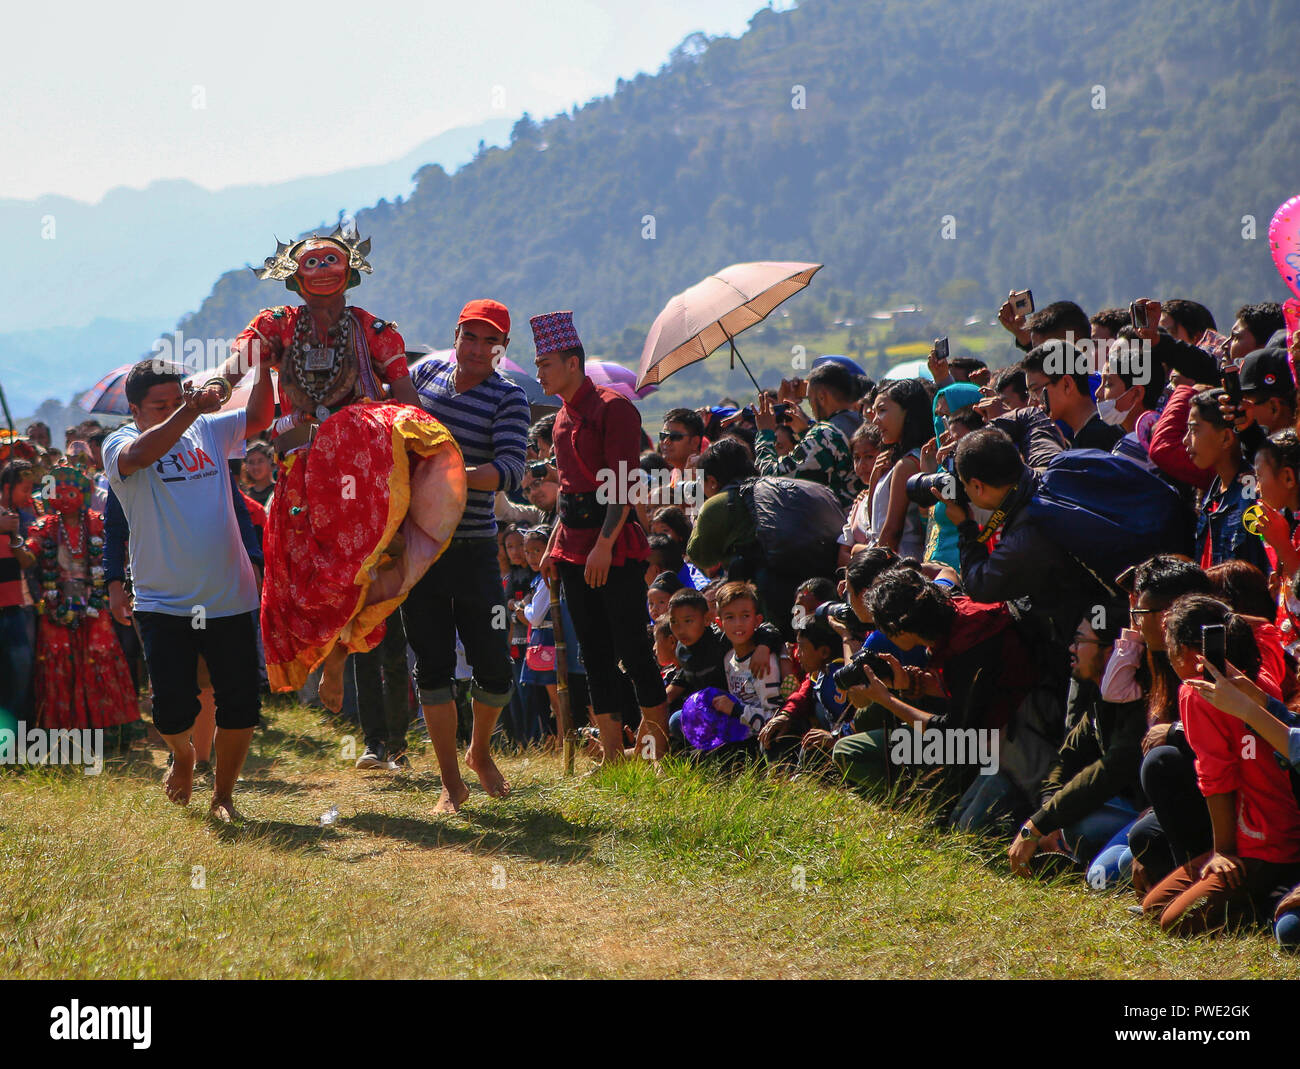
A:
[630,872]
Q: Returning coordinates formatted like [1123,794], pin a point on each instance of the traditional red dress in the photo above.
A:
[81,676]
[373,469]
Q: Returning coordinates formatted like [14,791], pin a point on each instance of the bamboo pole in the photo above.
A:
[563,715]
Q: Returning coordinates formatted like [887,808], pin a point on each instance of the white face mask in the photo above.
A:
[1110,413]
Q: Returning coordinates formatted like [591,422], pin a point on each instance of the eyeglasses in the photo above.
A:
[671,436]
[1142,612]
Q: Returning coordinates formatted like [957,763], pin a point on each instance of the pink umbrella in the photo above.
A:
[711,313]
[618,378]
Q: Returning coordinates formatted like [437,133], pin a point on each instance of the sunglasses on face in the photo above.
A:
[671,436]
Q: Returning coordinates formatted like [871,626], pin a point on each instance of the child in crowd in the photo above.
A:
[756,689]
[865,447]
[660,591]
[661,632]
[540,655]
[817,713]
[1213,445]
[1277,477]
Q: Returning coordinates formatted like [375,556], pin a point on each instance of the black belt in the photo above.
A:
[581,511]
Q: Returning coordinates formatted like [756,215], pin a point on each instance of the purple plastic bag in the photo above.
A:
[704,727]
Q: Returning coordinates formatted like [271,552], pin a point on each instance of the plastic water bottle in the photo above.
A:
[329,816]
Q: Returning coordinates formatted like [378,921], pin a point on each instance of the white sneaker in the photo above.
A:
[370,759]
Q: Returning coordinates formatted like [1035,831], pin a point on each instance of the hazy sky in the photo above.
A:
[237,92]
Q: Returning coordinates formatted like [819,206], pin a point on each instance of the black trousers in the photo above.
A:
[172,646]
[461,595]
[1178,828]
[613,625]
[383,685]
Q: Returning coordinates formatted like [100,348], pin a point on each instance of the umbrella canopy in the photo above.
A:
[618,378]
[709,314]
[909,369]
[108,395]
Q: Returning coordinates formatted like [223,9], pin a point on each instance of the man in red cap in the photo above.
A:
[461,593]
[598,548]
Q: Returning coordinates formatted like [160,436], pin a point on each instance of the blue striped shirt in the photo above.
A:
[489,423]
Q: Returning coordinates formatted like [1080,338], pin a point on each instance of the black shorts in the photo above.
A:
[172,647]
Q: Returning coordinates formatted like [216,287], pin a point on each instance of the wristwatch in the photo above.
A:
[1025,833]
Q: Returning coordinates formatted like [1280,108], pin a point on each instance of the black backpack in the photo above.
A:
[797,523]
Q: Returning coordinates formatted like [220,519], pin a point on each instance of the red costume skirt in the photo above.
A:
[82,680]
[374,469]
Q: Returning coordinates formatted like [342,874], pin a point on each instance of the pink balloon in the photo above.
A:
[1284,242]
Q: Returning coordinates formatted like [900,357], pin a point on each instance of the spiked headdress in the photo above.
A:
[284,264]
[67,475]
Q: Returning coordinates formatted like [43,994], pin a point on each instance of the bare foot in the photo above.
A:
[452,798]
[179,781]
[488,774]
[331,680]
[224,810]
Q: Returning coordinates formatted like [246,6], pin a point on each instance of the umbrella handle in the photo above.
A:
[735,355]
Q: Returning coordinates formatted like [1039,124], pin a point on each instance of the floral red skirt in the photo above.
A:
[82,680]
[332,573]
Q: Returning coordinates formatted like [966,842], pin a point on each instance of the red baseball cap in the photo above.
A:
[488,311]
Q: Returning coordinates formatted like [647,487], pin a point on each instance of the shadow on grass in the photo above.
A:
[541,835]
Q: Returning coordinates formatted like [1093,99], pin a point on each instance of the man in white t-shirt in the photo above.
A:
[195,588]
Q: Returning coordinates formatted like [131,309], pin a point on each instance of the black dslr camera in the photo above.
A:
[920,489]
[852,674]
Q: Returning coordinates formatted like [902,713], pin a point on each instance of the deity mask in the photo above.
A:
[322,269]
[318,266]
[71,491]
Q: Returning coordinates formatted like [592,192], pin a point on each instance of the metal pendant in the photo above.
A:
[318,358]
[322,413]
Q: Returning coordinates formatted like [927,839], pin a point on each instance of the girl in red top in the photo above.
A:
[1256,820]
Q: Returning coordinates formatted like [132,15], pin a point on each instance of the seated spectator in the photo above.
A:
[1177,827]
[1092,793]
[816,714]
[666,556]
[702,648]
[757,691]
[1253,813]
[660,592]
[1213,446]
[665,646]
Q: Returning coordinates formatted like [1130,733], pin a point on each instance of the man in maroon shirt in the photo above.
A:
[598,548]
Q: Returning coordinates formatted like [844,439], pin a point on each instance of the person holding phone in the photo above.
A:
[1253,811]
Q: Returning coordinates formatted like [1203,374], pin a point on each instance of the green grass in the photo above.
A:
[631,872]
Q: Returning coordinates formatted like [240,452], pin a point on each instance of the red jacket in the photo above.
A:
[1231,758]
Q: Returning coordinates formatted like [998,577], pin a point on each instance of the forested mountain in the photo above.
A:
[1095,150]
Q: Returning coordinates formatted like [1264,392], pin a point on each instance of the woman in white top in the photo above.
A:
[902,411]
